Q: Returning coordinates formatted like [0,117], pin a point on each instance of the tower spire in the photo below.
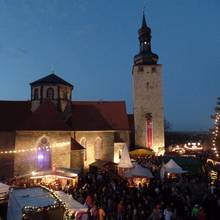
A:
[145,56]
[144,23]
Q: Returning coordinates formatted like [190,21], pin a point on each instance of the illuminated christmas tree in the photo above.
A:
[215,144]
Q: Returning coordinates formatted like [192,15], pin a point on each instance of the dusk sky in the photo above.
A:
[91,44]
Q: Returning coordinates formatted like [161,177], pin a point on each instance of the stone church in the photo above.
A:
[51,129]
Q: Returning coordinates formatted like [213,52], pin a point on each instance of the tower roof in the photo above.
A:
[145,55]
[144,23]
[51,79]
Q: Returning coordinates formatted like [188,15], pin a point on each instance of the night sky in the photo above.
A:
[91,44]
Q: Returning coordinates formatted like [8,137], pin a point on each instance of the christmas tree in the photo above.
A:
[215,136]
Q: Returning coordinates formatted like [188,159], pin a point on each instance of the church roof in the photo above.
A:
[45,118]
[51,79]
[76,145]
[99,115]
[12,113]
[85,116]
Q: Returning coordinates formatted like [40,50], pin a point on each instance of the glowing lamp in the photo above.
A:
[40,157]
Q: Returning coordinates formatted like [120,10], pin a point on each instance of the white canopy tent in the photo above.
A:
[4,188]
[171,167]
[138,171]
[72,204]
[125,161]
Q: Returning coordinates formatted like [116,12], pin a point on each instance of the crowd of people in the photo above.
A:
[109,197]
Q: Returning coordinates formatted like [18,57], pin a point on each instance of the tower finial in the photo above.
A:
[144,23]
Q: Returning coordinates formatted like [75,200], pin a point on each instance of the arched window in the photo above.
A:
[98,148]
[36,94]
[83,142]
[43,155]
[50,93]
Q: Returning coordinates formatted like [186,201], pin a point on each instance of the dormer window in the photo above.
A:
[50,93]
[36,94]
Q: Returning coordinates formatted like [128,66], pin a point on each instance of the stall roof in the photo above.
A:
[101,163]
[4,188]
[71,203]
[138,171]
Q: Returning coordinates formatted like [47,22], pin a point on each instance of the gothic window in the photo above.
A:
[98,148]
[50,93]
[36,94]
[83,142]
[43,155]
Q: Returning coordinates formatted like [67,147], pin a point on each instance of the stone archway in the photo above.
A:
[43,155]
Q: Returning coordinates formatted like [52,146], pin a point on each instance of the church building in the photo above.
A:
[51,129]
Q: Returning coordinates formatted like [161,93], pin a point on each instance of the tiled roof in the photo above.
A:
[13,113]
[51,79]
[99,115]
[45,118]
[76,145]
[86,116]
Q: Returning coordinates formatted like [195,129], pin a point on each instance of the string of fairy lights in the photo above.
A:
[25,150]
[215,132]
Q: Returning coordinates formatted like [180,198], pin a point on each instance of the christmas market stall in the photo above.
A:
[102,165]
[35,203]
[138,175]
[171,169]
[74,209]
[4,190]
[58,178]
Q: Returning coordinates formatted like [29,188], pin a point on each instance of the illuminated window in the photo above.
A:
[43,155]
[120,153]
[50,93]
[83,142]
[98,148]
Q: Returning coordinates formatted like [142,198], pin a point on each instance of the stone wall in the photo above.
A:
[77,159]
[148,98]
[59,143]
[107,151]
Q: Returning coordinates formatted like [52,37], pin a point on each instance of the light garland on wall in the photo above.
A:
[57,145]
[215,132]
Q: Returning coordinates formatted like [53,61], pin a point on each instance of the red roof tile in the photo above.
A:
[76,145]
[99,115]
[45,118]
[13,113]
